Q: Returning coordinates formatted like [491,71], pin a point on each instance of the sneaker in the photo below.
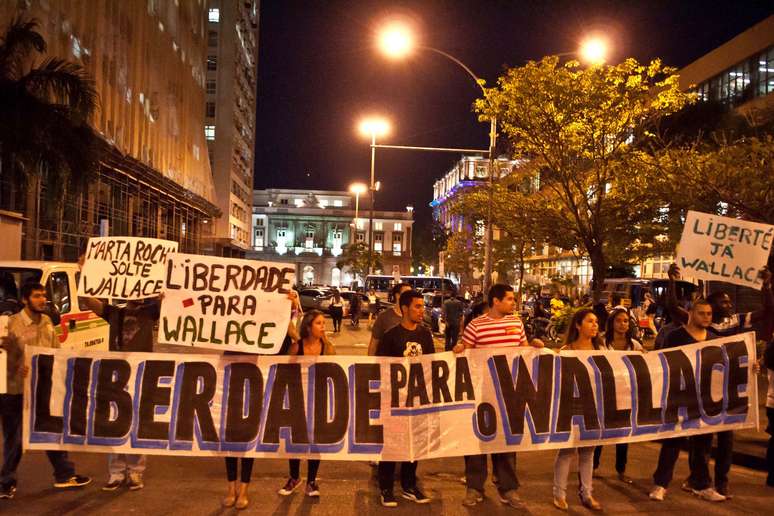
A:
[7,491]
[625,478]
[388,499]
[289,486]
[658,493]
[73,481]
[312,489]
[135,482]
[472,497]
[415,495]
[591,503]
[724,491]
[113,484]
[709,495]
[561,504]
[511,498]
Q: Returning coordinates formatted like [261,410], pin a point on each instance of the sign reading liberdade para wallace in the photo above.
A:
[225,303]
[396,409]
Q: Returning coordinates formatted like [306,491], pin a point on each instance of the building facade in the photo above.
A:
[231,79]
[146,58]
[313,228]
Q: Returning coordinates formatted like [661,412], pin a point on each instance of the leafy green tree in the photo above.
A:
[576,127]
[355,256]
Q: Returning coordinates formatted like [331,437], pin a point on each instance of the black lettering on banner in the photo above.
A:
[524,394]
[682,387]
[709,357]
[112,379]
[44,421]
[398,379]
[79,396]
[151,396]
[613,416]
[416,385]
[365,401]
[327,429]
[242,428]
[462,381]
[193,404]
[647,414]
[574,373]
[440,379]
[486,419]
[287,379]
[737,376]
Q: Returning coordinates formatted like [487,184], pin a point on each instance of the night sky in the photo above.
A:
[319,73]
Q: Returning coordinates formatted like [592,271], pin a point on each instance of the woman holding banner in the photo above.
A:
[582,335]
[313,342]
[619,336]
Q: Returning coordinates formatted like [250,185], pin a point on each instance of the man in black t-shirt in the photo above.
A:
[408,339]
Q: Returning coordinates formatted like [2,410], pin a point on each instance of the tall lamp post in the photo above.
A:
[373,127]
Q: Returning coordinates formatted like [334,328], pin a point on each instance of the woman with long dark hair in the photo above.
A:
[582,335]
[337,311]
[313,342]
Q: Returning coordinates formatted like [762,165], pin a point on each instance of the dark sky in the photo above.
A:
[319,72]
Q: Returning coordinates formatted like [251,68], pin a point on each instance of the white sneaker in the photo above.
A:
[709,494]
[658,493]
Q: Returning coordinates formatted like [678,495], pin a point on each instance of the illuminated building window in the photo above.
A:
[337,203]
[378,226]
[214,15]
[209,132]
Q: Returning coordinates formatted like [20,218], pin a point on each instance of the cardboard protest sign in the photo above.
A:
[379,408]
[225,303]
[724,249]
[124,267]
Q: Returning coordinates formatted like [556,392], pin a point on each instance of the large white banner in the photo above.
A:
[724,249]
[122,267]
[354,408]
[225,303]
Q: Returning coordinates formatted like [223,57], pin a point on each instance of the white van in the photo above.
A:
[79,328]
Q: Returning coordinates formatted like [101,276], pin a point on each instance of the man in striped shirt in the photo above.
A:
[498,328]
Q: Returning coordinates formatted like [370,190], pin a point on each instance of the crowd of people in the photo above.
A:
[399,331]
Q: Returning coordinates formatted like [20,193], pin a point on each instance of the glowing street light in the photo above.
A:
[374,126]
[395,41]
[358,189]
[593,50]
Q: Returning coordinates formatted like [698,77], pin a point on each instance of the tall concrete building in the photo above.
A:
[232,70]
[147,59]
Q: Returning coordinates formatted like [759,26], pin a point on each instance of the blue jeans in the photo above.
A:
[11,415]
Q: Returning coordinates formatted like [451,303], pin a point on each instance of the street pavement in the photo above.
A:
[194,486]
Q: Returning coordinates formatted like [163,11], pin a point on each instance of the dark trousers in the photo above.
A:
[452,333]
[312,465]
[408,474]
[770,450]
[503,467]
[699,459]
[337,314]
[231,469]
[621,453]
[667,457]
[11,416]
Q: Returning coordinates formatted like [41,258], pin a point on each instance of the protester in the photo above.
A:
[355,304]
[768,363]
[497,329]
[373,307]
[619,336]
[388,319]
[698,329]
[582,335]
[313,342]
[408,339]
[29,327]
[452,316]
[557,305]
[337,311]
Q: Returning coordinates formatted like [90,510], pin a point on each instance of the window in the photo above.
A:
[214,15]
[58,291]
[281,233]
[397,237]
[210,109]
[397,226]
[309,242]
[323,203]
[298,202]
[378,226]
[360,236]
[212,38]
[259,238]
[337,203]
[337,235]
[284,202]
[396,248]
[212,63]
[259,222]
[309,233]
[209,132]
[211,87]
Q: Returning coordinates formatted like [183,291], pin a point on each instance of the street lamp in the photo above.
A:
[373,127]
[593,50]
[358,189]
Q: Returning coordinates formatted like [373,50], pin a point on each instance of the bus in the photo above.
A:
[383,283]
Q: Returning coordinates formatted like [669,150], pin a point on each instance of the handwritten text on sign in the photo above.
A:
[724,249]
[124,267]
[397,409]
[225,303]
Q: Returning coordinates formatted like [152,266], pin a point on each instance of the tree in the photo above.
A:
[355,256]
[45,110]
[576,126]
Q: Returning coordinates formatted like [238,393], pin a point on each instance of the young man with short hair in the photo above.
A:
[498,328]
[410,338]
[30,327]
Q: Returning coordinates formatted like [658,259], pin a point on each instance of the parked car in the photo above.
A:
[314,299]
[433,311]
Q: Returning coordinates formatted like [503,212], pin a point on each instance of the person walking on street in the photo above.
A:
[29,327]
[373,307]
[337,311]
[355,304]
[452,316]
[410,338]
